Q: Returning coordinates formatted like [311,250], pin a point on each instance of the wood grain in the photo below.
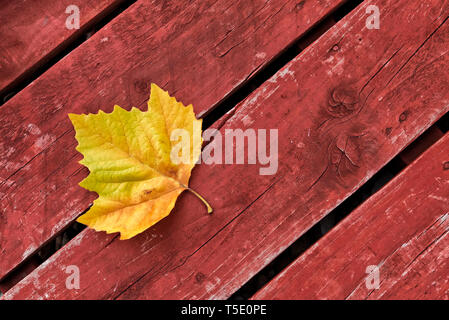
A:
[33,31]
[344,108]
[200,52]
[403,230]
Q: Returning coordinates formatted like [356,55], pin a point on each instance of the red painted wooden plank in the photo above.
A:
[186,49]
[403,89]
[31,31]
[403,229]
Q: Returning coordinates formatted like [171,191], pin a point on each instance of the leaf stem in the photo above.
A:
[209,208]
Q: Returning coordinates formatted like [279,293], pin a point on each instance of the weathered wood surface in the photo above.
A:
[32,31]
[344,108]
[200,52]
[403,229]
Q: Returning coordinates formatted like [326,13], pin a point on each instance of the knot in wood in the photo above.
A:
[199,277]
[141,86]
[299,5]
[403,116]
[446,165]
[343,102]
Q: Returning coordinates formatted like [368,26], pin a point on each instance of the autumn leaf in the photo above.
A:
[128,156]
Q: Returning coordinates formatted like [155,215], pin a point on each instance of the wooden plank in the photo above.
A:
[403,90]
[33,31]
[403,230]
[186,49]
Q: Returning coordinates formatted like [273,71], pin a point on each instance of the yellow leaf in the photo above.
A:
[128,156]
